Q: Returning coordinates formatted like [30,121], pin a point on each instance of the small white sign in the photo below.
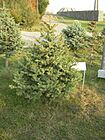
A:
[80,66]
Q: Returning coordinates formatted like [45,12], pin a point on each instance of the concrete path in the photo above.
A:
[59,27]
[29,37]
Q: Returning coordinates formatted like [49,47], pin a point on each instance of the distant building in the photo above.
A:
[89,15]
[65,9]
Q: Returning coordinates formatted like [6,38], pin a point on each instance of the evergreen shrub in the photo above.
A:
[95,43]
[10,37]
[45,72]
[75,36]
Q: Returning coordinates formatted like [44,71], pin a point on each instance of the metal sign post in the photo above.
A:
[81,66]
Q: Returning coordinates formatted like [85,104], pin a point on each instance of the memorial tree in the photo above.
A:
[46,72]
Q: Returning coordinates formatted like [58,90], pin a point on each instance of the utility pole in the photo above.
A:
[96,5]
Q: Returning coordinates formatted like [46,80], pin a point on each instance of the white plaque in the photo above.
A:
[80,66]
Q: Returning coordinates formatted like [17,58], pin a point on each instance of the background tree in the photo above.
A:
[75,36]
[22,12]
[42,5]
[10,38]
[95,42]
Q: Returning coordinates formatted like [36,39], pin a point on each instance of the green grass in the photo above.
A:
[69,21]
[66,120]
[35,28]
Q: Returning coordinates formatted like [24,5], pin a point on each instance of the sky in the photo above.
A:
[56,5]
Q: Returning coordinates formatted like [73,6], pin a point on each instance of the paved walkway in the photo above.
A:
[30,36]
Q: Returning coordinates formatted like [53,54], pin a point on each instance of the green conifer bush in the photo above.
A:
[45,72]
[10,38]
[95,43]
[75,36]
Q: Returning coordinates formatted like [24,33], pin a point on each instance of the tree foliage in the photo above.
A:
[95,42]
[10,38]
[46,70]
[42,5]
[22,12]
[103,31]
[75,36]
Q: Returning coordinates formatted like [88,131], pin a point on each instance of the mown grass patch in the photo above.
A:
[69,21]
[81,117]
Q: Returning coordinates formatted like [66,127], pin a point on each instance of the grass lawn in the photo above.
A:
[35,28]
[68,21]
[76,119]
